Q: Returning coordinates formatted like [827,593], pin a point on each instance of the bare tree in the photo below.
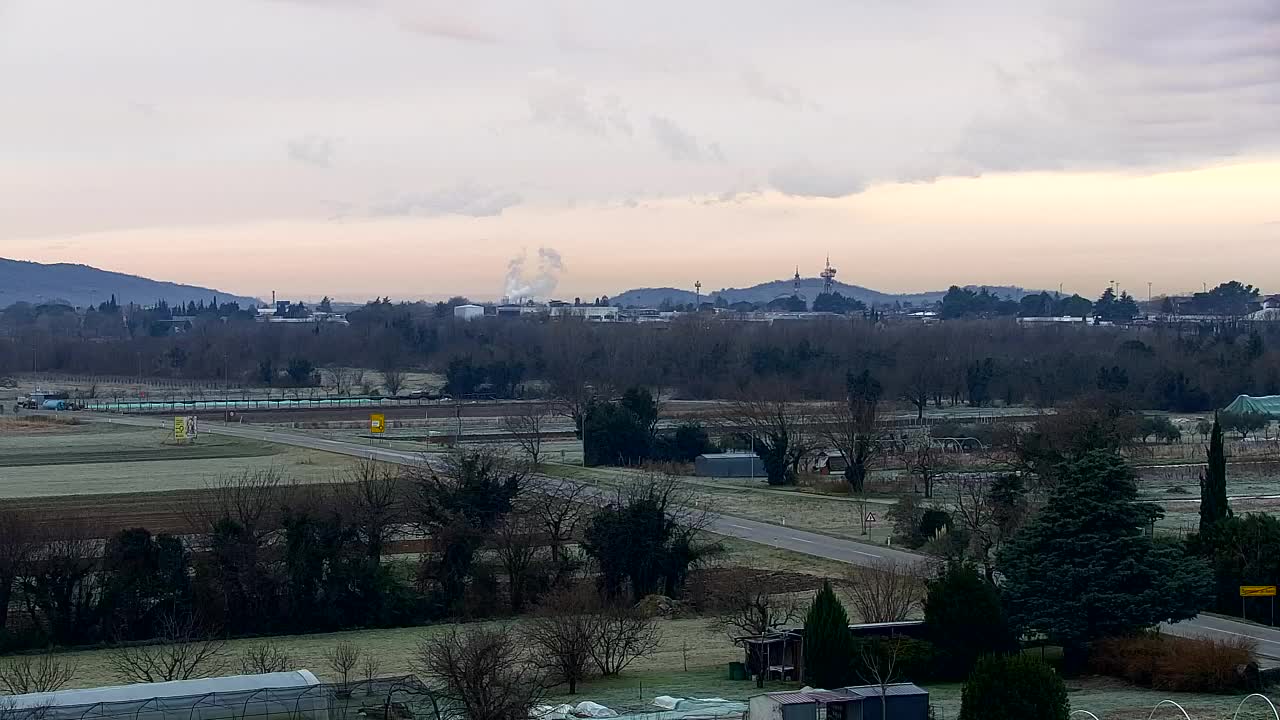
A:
[777,430]
[35,673]
[339,378]
[886,590]
[251,499]
[370,492]
[527,425]
[18,537]
[622,635]
[989,512]
[559,508]
[517,546]
[392,380]
[358,380]
[562,633]
[479,674]
[881,663]
[185,651]
[267,656]
[370,669]
[748,609]
[856,439]
[924,462]
[343,658]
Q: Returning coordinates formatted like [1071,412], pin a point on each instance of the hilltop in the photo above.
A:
[809,288]
[82,285]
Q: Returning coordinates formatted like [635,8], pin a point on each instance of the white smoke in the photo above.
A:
[539,285]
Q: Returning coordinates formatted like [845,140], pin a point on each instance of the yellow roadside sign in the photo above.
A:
[377,423]
[1257,591]
[180,428]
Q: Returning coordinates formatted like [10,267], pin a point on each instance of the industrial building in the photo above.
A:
[729,465]
[468,312]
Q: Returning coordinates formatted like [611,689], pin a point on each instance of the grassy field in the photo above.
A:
[93,458]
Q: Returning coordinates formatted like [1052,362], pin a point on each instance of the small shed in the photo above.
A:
[806,705]
[468,312]
[776,655]
[729,465]
[902,701]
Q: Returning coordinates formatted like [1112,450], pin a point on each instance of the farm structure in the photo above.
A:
[294,695]
[729,465]
[902,701]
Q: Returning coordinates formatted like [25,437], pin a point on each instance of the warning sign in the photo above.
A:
[377,423]
[871,517]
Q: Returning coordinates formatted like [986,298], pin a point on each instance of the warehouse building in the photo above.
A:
[729,465]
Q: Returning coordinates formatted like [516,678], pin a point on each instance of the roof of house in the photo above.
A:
[894,690]
[806,697]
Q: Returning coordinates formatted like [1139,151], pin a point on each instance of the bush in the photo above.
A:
[1175,664]
[1013,687]
[964,619]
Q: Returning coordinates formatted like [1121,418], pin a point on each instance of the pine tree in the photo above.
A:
[1213,483]
[1085,568]
[828,645]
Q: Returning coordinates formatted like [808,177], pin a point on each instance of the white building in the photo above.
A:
[468,312]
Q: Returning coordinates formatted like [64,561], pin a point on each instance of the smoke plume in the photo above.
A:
[543,280]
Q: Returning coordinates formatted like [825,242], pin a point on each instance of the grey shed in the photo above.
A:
[729,465]
[902,701]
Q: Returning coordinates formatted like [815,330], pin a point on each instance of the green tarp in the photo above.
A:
[1269,405]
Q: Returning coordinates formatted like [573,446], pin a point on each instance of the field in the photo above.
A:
[48,460]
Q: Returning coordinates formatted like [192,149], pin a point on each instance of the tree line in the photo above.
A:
[263,556]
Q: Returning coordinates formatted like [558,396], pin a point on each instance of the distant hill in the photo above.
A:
[81,285]
[809,288]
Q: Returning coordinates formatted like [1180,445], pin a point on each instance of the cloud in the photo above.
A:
[682,145]
[312,150]
[802,179]
[1140,86]
[760,87]
[558,101]
[462,199]
[449,27]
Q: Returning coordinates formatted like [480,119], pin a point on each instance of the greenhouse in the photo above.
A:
[296,695]
[1267,405]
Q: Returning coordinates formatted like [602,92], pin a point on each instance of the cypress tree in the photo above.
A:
[1213,483]
[828,645]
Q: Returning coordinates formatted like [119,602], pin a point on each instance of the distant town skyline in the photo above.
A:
[362,148]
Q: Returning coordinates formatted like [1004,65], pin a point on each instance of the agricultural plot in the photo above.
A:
[60,459]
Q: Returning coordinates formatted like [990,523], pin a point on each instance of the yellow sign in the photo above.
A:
[180,428]
[1257,591]
[377,423]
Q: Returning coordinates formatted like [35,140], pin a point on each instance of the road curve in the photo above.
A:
[777,536]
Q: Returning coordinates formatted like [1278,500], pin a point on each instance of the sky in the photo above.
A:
[424,148]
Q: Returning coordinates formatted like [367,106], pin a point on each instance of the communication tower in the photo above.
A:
[828,275]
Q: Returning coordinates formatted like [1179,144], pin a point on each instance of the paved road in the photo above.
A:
[823,546]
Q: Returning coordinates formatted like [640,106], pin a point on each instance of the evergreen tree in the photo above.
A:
[1013,687]
[828,645]
[964,620]
[1085,567]
[1213,483]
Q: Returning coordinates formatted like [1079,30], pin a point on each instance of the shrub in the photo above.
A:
[1013,687]
[964,619]
[1175,664]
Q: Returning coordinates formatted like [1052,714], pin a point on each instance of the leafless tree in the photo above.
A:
[527,424]
[342,659]
[853,434]
[267,656]
[35,673]
[185,651]
[924,462]
[339,378]
[989,512]
[886,590]
[560,507]
[517,546]
[392,380]
[18,538]
[622,635]
[562,633]
[748,609]
[370,669]
[358,379]
[479,674]
[9,710]
[778,429]
[863,503]
[881,663]
[251,498]
[370,492]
